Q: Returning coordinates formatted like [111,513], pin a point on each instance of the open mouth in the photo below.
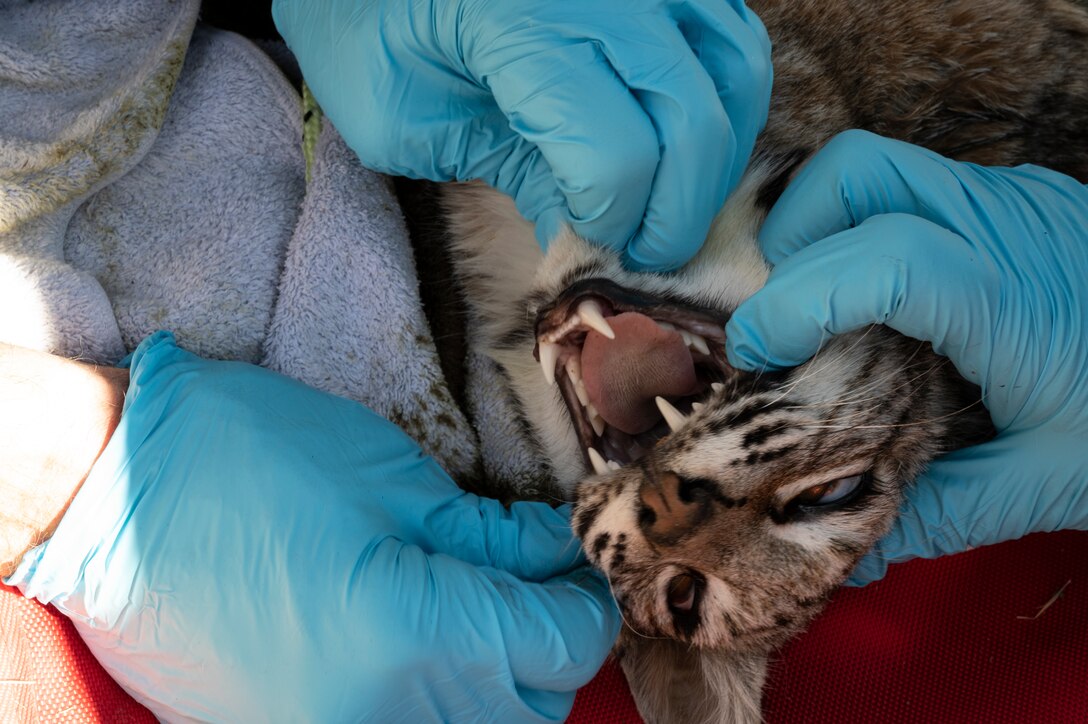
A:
[631,366]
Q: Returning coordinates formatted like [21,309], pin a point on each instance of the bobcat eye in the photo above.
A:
[833,491]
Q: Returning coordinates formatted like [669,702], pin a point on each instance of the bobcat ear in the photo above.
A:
[673,683]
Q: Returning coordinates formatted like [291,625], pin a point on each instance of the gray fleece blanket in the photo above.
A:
[152,177]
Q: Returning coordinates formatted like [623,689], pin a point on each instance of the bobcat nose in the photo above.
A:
[671,506]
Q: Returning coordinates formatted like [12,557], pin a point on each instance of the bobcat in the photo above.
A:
[725,507]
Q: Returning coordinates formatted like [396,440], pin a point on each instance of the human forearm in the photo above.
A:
[56,416]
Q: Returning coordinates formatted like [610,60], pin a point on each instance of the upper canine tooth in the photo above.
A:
[673,417]
[590,313]
[599,465]
[699,343]
[549,355]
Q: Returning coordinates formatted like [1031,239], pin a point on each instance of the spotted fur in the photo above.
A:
[713,505]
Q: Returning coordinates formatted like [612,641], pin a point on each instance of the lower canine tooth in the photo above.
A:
[595,419]
[717,386]
[613,465]
[549,355]
[599,465]
[673,417]
[697,406]
[597,422]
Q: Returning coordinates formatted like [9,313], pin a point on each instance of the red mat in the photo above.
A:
[960,639]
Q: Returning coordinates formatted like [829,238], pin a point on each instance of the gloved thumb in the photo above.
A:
[530,540]
[894,269]
[1018,483]
[553,635]
[562,629]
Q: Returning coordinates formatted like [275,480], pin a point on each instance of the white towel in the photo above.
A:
[349,318]
[192,239]
[144,188]
[84,88]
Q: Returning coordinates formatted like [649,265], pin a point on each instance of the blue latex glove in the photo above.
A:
[629,119]
[250,549]
[988,264]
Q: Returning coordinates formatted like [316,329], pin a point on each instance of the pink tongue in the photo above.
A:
[623,375]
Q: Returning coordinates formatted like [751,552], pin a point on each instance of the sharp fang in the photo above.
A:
[697,406]
[699,344]
[613,465]
[549,355]
[574,370]
[673,417]
[599,465]
[717,386]
[686,336]
[595,420]
[591,315]
[580,390]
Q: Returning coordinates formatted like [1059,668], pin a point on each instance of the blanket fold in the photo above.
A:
[152,177]
[83,92]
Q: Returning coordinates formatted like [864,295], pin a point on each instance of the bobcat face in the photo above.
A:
[742,499]
[723,506]
[726,506]
[733,528]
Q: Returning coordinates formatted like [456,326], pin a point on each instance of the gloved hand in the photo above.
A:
[629,119]
[988,264]
[249,549]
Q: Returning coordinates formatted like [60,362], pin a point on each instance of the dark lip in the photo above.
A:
[706,322]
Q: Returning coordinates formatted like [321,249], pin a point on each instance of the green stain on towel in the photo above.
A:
[311,127]
[57,173]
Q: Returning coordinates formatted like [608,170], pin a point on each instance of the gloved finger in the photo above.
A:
[1018,483]
[699,147]
[550,636]
[340,70]
[485,147]
[559,632]
[533,541]
[732,44]
[858,175]
[603,163]
[898,270]
[463,135]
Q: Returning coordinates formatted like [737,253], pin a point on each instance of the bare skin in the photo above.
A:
[57,417]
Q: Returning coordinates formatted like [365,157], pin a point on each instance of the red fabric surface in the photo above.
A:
[951,640]
[48,675]
[935,641]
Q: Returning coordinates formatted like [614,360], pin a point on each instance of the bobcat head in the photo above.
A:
[724,507]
